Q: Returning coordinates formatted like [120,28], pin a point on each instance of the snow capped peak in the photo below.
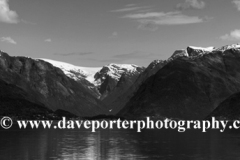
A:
[193,51]
[74,72]
[127,67]
[94,75]
[198,51]
[179,53]
[226,47]
[209,49]
[115,71]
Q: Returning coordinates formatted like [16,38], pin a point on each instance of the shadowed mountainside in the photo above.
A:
[15,104]
[229,109]
[187,87]
[120,100]
[113,79]
[48,85]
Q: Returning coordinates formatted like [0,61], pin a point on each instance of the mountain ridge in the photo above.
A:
[195,74]
[48,85]
[187,87]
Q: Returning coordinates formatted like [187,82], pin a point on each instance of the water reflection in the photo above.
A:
[118,144]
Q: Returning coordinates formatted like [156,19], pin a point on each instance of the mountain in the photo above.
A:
[196,51]
[229,109]
[48,86]
[114,77]
[118,102]
[189,86]
[15,104]
[226,47]
[104,83]
[75,72]
[191,51]
[83,75]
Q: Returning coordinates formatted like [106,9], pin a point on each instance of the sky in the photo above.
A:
[94,33]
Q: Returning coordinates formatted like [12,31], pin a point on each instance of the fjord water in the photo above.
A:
[115,144]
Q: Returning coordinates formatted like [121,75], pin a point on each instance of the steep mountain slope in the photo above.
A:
[83,75]
[117,103]
[48,85]
[196,51]
[189,86]
[229,109]
[103,83]
[114,78]
[15,104]
[75,72]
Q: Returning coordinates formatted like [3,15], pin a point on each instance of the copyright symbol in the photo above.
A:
[6,122]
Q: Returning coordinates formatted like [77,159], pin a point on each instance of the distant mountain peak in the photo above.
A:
[2,53]
[180,53]
[226,47]
[108,77]
[126,67]
[75,72]
[193,51]
[209,49]
[116,70]
[196,51]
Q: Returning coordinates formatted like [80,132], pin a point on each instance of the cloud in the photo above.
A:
[232,36]
[6,15]
[152,20]
[74,54]
[48,40]
[195,4]
[237,4]
[131,7]
[127,9]
[8,40]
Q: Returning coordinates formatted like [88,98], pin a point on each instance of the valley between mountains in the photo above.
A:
[194,83]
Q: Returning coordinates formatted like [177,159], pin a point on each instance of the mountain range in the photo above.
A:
[192,84]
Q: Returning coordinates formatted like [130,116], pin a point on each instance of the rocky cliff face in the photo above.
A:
[109,79]
[191,51]
[15,103]
[120,100]
[229,109]
[189,86]
[82,75]
[48,85]
[105,83]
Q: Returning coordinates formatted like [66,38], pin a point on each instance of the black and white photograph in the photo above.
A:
[119,79]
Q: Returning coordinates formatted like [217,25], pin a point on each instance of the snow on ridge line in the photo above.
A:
[203,48]
[236,46]
[129,67]
[68,66]
[87,72]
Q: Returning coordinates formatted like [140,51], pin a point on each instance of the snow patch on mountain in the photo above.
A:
[75,72]
[226,47]
[208,49]
[115,71]
[121,68]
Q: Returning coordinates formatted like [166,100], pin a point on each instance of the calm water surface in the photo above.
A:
[16,144]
